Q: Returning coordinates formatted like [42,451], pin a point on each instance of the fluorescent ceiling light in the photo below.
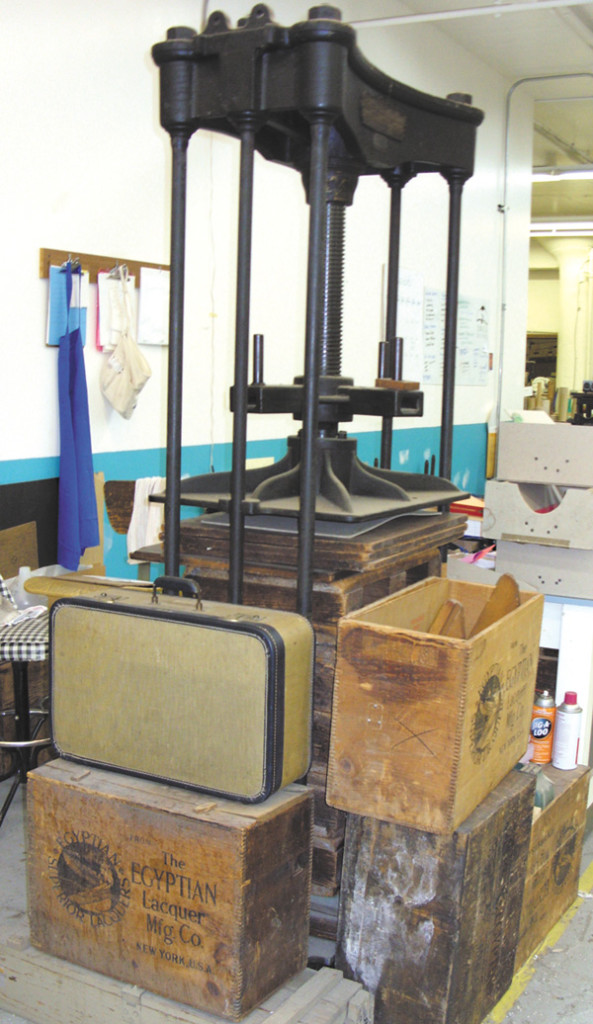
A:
[561,228]
[557,174]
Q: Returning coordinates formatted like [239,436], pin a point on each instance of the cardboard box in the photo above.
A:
[425,726]
[204,901]
[512,513]
[545,453]
[561,572]
[552,876]
[429,924]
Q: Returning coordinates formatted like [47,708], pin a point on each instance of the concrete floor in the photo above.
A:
[554,987]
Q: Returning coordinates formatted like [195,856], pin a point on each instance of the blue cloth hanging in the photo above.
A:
[78,526]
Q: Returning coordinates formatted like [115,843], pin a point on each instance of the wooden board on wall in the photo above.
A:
[18,546]
[36,501]
[33,501]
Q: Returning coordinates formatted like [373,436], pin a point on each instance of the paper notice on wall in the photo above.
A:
[471,364]
[153,316]
[434,335]
[471,355]
[409,323]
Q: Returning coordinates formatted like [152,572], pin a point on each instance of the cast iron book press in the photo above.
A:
[305,97]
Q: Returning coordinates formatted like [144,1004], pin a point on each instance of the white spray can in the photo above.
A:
[567,732]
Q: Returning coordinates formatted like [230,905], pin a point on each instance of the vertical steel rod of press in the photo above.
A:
[395,185]
[179,145]
[330,363]
[456,181]
[237,515]
[320,131]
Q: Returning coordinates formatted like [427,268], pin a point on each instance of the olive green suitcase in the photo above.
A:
[212,696]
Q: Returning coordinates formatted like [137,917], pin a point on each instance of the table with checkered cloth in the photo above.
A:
[27,640]
[21,642]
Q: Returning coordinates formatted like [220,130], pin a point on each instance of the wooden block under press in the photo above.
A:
[429,923]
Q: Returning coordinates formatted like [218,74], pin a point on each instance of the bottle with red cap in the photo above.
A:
[567,732]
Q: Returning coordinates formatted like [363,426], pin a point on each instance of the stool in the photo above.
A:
[20,643]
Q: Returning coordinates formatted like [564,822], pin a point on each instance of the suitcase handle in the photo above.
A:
[176,586]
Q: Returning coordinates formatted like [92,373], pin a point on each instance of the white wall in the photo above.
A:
[544,305]
[85,168]
[425,59]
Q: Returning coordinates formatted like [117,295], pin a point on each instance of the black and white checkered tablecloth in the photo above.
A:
[24,641]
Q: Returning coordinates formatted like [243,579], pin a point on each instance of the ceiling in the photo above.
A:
[549,42]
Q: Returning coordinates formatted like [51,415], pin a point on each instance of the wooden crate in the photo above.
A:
[424,726]
[201,900]
[553,866]
[429,923]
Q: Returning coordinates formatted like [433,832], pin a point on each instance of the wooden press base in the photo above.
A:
[345,567]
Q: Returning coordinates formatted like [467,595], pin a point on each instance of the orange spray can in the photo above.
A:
[542,727]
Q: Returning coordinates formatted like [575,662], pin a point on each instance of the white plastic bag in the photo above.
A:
[125,370]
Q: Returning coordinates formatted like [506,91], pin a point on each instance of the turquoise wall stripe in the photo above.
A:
[20,471]
[412,447]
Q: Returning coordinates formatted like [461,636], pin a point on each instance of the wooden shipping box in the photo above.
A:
[552,878]
[204,901]
[429,923]
[424,726]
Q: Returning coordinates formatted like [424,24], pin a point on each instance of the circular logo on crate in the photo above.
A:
[88,877]
[563,859]
[487,714]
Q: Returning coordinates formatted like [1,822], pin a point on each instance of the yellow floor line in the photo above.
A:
[526,972]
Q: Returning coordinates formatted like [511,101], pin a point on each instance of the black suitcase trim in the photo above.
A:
[275,655]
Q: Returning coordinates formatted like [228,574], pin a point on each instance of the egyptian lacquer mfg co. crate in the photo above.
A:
[201,900]
[424,726]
